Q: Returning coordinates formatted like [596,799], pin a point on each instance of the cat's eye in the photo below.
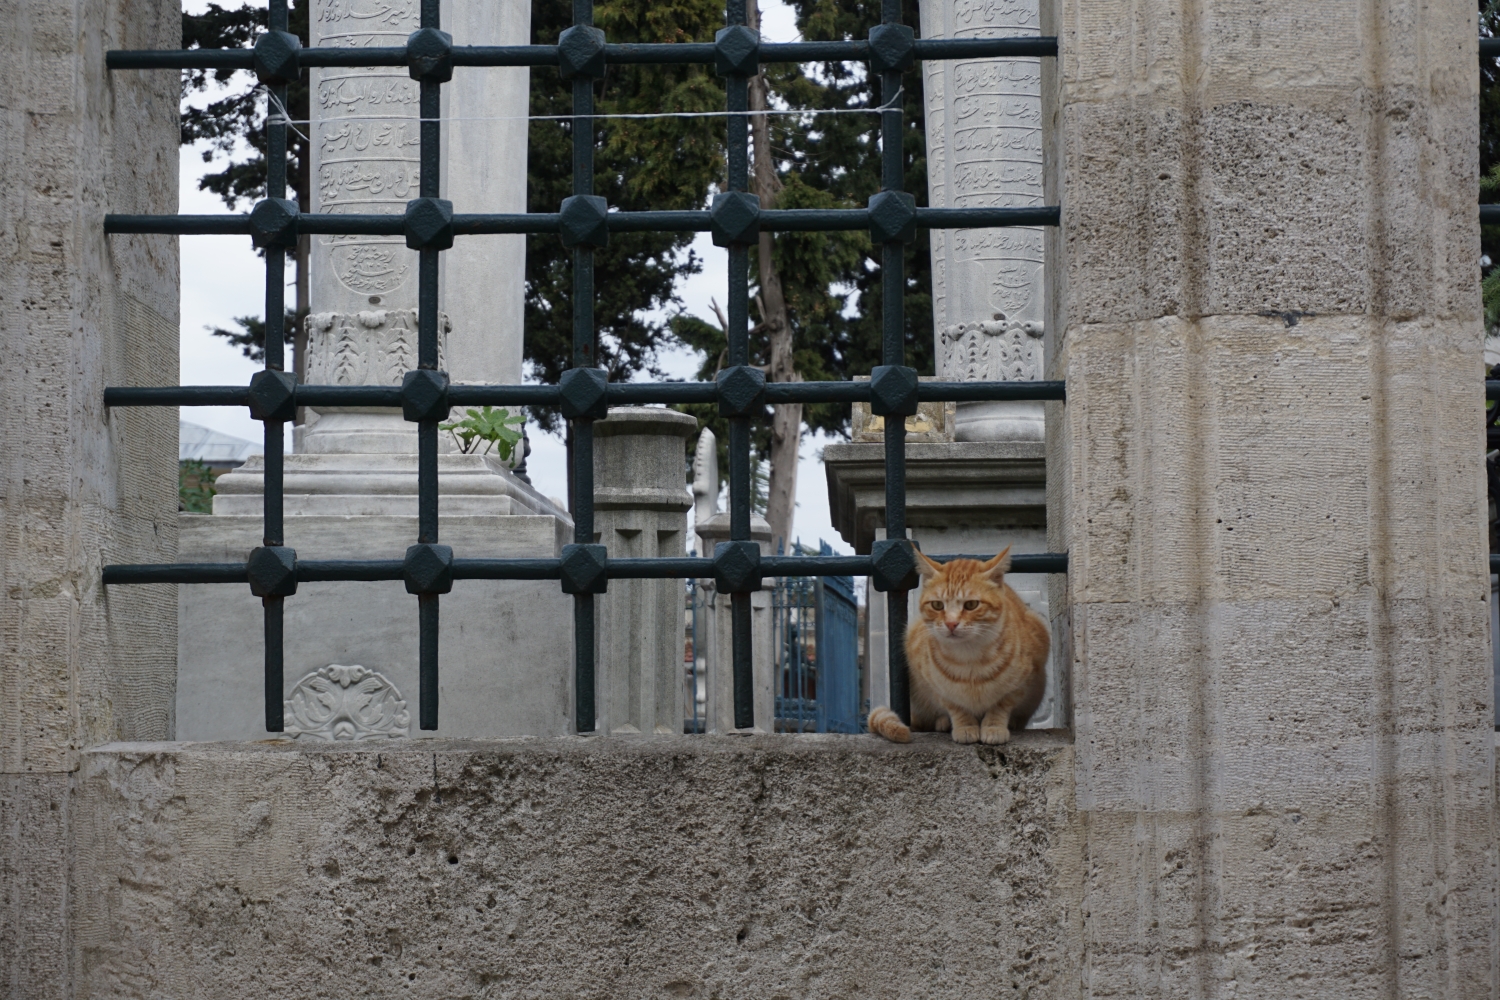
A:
[936,605]
[970,605]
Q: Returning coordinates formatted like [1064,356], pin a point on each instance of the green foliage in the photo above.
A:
[494,428]
[237,119]
[250,338]
[663,163]
[195,487]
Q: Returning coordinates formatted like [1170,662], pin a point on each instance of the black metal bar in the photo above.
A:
[275,664]
[1489,48]
[737,149]
[585,715]
[429,163]
[781,220]
[619,393]
[176,573]
[427,660]
[644,53]
[1489,215]
[893,352]
[1495,557]
[179,225]
[1491,389]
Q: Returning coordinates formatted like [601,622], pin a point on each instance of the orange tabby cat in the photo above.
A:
[977,655]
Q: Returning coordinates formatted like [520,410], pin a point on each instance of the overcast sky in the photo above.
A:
[222,278]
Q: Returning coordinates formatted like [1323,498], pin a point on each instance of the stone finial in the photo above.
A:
[706,477]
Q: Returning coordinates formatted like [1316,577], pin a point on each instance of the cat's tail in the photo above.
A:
[884,722]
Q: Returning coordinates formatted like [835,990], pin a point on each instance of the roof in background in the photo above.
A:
[207,445]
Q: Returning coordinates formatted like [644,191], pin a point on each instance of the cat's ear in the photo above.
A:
[998,566]
[926,568]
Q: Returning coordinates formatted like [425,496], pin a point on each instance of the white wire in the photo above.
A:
[281,117]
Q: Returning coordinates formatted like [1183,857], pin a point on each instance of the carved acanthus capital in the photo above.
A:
[375,347]
[992,351]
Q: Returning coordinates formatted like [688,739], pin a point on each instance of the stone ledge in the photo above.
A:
[671,866]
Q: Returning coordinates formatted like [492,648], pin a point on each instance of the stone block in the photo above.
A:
[689,866]
[505,646]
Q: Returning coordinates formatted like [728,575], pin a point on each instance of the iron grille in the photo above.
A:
[583,394]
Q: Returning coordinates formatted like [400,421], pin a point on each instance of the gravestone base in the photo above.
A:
[962,497]
[506,646]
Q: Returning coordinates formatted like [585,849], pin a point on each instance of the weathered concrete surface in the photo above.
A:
[1268,477]
[578,867]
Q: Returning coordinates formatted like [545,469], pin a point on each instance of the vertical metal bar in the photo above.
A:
[584,355]
[427,679]
[275,326]
[275,722]
[737,92]
[893,352]
[430,108]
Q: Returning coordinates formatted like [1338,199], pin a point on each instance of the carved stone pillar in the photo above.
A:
[984,149]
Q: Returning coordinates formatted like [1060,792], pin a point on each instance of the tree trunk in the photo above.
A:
[786,419]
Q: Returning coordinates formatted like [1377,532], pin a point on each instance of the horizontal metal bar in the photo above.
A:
[1494,563]
[364,570]
[178,573]
[617,394]
[372,570]
[815,566]
[988,218]
[177,395]
[507,569]
[853,50]
[1489,215]
[964,392]
[181,225]
[659,569]
[180,59]
[1489,48]
[1041,46]
[1491,389]
[1041,562]
[474,224]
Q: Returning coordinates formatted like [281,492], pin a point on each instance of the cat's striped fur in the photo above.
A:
[976,654]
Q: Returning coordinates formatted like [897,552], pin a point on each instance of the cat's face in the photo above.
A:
[961,601]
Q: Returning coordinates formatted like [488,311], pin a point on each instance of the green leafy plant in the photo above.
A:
[494,428]
[195,487]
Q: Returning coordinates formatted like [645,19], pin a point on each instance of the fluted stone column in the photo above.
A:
[640,512]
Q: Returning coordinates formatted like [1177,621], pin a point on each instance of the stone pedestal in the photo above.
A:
[640,512]
[718,635]
[962,497]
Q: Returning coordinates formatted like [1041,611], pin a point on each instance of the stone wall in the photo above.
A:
[1268,480]
[79,487]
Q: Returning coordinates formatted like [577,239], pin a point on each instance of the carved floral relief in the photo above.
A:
[341,702]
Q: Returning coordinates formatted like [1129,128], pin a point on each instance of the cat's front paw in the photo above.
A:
[994,735]
[965,734]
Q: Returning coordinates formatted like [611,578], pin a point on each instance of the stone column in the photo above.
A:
[984,149]
[366,145]
[1268,477]
[640,512]
[80,486]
